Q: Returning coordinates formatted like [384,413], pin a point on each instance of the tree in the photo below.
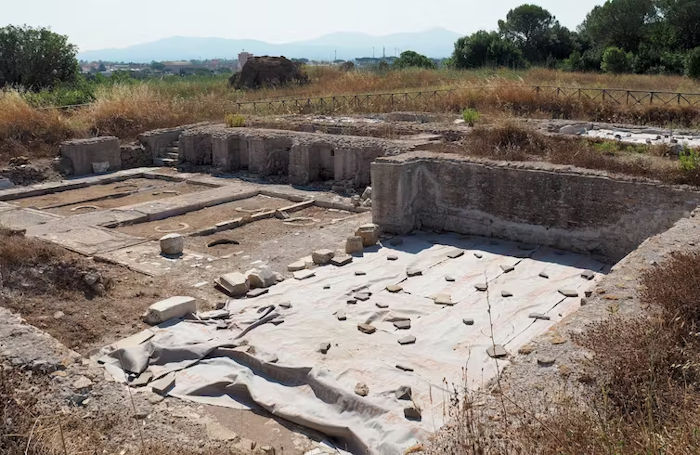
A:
[615,60]
[409,59]
[536,33]
[692,65]
[36,58]
[620,23]
[485,49]
[683,20]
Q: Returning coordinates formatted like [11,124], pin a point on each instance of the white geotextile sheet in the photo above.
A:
[279,366]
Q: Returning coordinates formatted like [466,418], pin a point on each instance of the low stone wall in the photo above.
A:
[304,157]
[156,141]
[135,155]
[81,154]
[551,205]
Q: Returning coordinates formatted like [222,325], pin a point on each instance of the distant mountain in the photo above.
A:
[434,43]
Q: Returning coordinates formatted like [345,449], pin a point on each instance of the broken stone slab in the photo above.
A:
[214,314]
[323,348]
[404,367]
[506,294]
[394,288]
[496,351]
[367,193]
[544,275]
[253,293]
[455,253]
[403,393]
[382,305]
[412,413]
[478,255]
[341,260]
[363,296]
[468,321]
[360,273]
[366,328]
[539,316]
[341,315]
[392,257]
[172,244]
[568,292]
[234,284]
[304,274]
[443,299]
[449,278]
[369,234]
[354,245]
[142,380]
[414,271]
[322,257]
[507,268]
[170,308]
[285,305]
[163,385]
[481,287]
[403,324]
[588,274]
[408,339]
[361,389]
[296,266]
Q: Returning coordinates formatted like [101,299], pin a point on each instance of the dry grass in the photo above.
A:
[128,109]
[28,426]
[511,141]
[32,266]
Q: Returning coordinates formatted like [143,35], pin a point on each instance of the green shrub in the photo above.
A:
[689,159]
[235,120]
[692,63]
[470,116]
[615,60]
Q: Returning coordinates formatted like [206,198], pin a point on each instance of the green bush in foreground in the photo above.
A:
[470,116]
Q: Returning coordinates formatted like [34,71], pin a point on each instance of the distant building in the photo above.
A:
[242,59]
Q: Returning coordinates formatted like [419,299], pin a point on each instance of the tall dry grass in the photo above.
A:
[125,110]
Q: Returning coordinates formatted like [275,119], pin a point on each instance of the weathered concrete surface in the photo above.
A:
[552,205]
[82,153]
[305,157]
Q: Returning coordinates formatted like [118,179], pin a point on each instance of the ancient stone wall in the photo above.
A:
[86,156]
[304,157]
[551,205]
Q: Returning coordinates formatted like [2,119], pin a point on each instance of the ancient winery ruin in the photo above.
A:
[341,274]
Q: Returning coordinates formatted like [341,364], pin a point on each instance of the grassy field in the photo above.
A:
[29,127]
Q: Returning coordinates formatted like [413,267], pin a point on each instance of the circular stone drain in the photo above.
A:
[218,242]
[182,227]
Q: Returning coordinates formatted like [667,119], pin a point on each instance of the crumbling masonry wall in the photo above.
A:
[551,205]
[304,157]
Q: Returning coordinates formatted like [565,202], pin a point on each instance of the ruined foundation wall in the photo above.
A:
[304,157]
[552,205]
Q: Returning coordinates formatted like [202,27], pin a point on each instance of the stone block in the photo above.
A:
[261,276]
[354,245]
[172,244]
[83,153]
[235,284]
[322,257]
[369,234]
[174,307]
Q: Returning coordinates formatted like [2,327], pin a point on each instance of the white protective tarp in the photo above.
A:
[277,365]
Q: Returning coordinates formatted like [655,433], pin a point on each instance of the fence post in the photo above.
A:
[651,98]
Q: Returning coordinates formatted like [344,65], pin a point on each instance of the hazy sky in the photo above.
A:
[97,24]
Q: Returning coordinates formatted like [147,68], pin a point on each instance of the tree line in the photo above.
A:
[640,36]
